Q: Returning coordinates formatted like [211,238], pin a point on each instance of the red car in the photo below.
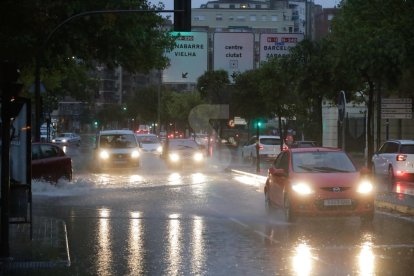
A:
[49,162]
[319,181]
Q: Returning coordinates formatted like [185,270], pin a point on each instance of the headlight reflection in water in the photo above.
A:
[104,256]
[302,260]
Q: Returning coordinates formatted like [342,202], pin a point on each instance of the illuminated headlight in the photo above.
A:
[135,154]
[64,140]
[198,156]
[53,141]
[159,149]
[302,188]
[174,157]
[365,187]
[104,154]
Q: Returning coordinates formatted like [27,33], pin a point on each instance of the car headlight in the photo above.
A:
[365,187]
[104,155]
[64,140]
[302,188]
[135,154]
[174,157]
[159,149]
[198,156]
[53,141]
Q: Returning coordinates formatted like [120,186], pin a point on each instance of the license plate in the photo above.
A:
[337,202]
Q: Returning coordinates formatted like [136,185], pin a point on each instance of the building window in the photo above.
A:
[241,18]
[199,18]
[232,6]
[330,17]
[274,18]
[216,6]
[264,17]
[290,29]
[258,6]
[219,17]
[252,17]
[231,18]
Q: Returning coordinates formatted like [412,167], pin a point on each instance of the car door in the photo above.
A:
[54,161]
[277,182]
[38,169]
[384,157]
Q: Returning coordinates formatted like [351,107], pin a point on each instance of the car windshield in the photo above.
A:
[182,144]
[407,149]
[148,139]
[118,141]
[269,141]
[325,161]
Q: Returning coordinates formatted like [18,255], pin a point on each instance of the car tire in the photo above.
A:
[390,177]
[68,175]
[290,216]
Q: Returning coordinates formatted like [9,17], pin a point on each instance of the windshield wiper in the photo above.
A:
[329,169]
[307,168]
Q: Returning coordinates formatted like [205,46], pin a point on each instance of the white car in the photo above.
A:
[395,160]
[67,138]
[269,148]
[116,148]
[149,143]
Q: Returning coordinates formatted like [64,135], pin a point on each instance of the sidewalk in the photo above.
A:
[48,248]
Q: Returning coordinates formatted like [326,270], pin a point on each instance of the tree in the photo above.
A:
[213,86]
[135,41]
[361,34]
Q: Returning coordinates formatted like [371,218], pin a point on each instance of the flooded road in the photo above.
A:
[157,221]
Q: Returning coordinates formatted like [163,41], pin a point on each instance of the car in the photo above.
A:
[180,152]
[269,148]
[394,160]
[319,181]
[116,149]
[67,138]
[303,144]
[50,163]
[149,143]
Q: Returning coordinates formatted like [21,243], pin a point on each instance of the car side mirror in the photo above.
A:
[277,172]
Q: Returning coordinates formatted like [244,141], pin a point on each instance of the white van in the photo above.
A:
[116,148]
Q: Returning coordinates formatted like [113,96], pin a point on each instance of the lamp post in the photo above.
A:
[258,123]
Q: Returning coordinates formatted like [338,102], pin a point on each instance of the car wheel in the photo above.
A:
[68,175]
[391,176]
[290,216]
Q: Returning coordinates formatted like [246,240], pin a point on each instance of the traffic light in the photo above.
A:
[95,123]
[182,20]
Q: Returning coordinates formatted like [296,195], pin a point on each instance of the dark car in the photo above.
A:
[179,152]
[319,182]
[50,163]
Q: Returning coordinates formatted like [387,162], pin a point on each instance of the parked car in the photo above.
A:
[116,148]
[49,162]
[269,148]
[319,182]
[149,143]
[67,138]
[395,160]
[180,152]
